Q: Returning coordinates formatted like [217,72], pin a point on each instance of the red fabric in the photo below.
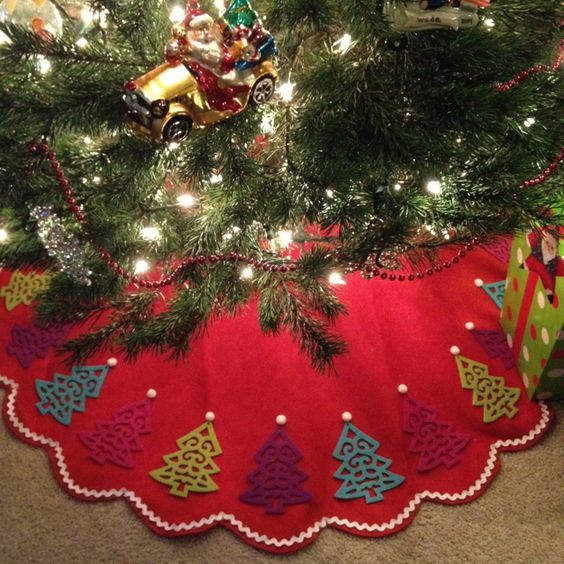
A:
[398,333]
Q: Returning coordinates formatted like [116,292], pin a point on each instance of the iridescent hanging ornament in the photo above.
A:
[61,245]
[41,16]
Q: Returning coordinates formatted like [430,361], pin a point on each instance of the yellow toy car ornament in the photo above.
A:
[213,71]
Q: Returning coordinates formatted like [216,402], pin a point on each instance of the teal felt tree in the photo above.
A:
[66,394]
[364,473]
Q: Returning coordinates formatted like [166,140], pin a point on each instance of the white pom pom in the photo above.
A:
[347,416]
[281,420]
[470,326]
[111,362]
[478,282]
[210,416]
[454,350]
[151,394]
[402,389]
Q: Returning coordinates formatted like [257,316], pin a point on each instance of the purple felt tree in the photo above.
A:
[500,248]
[114,441]
[33,342]
[494,342]
[277,481]
[436,441]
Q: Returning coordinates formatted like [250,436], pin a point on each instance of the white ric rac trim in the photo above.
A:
[239,525]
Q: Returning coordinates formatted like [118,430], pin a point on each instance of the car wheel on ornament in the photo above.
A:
[177,129]
[262,90]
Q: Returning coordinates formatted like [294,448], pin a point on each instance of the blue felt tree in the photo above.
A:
[496,291]
[66,394]
[277,481]
[364,473]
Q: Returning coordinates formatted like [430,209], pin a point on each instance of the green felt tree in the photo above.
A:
[394,144]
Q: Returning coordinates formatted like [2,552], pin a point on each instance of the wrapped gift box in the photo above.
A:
[532,316]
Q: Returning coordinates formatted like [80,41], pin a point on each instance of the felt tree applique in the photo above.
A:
[436,441]
[190,468]
[489,391]
[66,394]
[499,247]
[494,342]
[496,291]
[277,481]
[30,342]
[114,441]
[23,288]
[364,473]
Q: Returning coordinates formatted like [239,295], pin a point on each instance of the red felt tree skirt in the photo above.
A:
[398,333]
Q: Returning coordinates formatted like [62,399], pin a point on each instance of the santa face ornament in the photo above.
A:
[212,72]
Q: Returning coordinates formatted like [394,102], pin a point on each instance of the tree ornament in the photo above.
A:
[210,75]
[190,468]
[23,288]
[114,441]
[436,441]
[433,14]
[277,481]
[39,15]
[489,392]
[240,12]
[33,342]
[66,394]
[62,245]
[365,474]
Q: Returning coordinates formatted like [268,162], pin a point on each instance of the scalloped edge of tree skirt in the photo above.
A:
[231,522]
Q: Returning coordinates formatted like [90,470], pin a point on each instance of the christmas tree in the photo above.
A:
[277,481]
[398,127]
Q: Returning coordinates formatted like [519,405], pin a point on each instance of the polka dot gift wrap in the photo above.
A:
[532,315]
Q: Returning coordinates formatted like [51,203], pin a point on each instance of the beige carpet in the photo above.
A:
[519,519]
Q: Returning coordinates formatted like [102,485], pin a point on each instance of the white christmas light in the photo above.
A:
[434,187]
[286,237]
[96,179]
[142,266]
[177,14]
[397,186]
[336,279]
[87,140]
[529,121]
[81,42]
[247,273]
[343,45]
[459,140]
[489,22]
[185,200]
[219,6]
[3,235]
[172,146]
[43,64]
[4,39]
[216,178]
[151,233]
[87,15]
[286,91]
[330,193]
